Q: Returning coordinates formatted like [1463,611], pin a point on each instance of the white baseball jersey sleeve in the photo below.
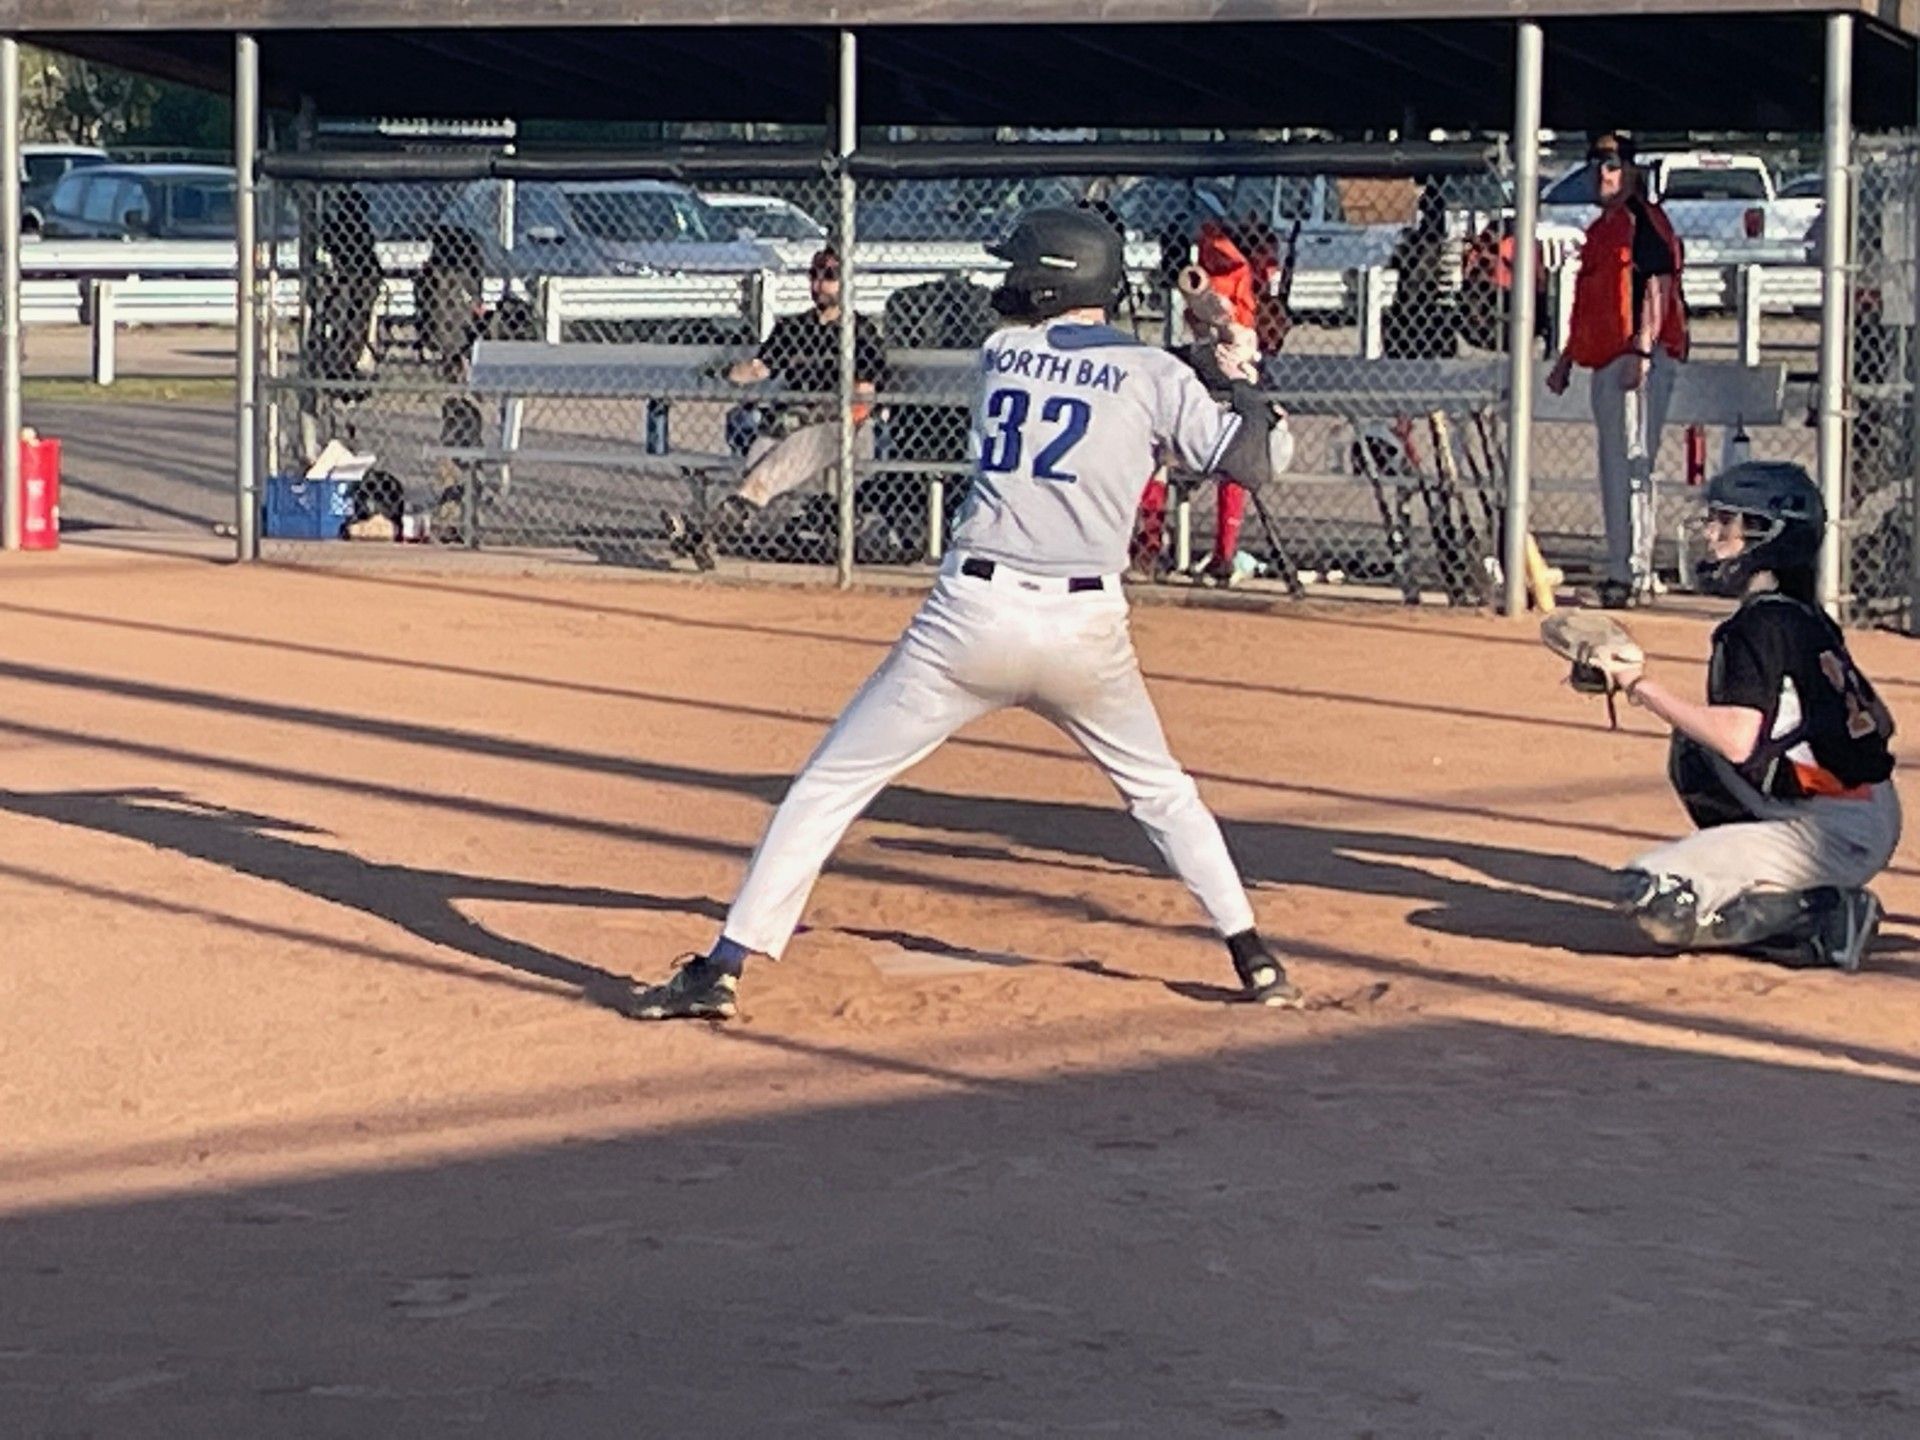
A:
[1068,425]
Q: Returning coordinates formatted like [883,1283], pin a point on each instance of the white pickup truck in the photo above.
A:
[1725,208]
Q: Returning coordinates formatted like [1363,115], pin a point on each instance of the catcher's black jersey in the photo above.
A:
[1823,730]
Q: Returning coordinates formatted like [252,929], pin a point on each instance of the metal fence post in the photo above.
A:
[1528,53]
[1835,286]
[759,304]
[246,149]
[1911,201]
[1560,303]
[849,140]
[1371,303]
[100,307]
[10,293]
[1749,293]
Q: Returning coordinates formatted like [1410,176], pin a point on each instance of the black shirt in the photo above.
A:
[1823,729]
[805,353]
[1651,256]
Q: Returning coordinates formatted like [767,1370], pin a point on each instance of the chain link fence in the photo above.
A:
[1751,288]
[649,371]
[547,363]
[644,365]
[1880,582]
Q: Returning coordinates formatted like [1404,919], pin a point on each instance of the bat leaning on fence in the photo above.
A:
[1455,563]
[1447,465]
[1543,580]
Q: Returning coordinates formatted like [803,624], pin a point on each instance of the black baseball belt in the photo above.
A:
[981,569]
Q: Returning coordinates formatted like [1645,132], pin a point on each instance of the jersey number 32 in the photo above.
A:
[1004,440]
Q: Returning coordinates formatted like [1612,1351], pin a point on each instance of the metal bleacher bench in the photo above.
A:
[514,371]
[1350,388]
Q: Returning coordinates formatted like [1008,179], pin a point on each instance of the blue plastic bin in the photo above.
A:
[301,509]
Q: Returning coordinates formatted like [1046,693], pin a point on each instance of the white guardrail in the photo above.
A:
[108,285]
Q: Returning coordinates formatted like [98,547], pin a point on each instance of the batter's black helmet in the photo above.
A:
[1783,516]
[1059,259]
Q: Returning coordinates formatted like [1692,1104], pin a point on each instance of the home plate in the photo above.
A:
[898,962]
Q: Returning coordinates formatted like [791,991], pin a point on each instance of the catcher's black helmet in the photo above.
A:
[1059,259]
[1783,517]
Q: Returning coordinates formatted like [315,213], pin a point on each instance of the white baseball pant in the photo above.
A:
[976,646]
[1791,845]
[775,467]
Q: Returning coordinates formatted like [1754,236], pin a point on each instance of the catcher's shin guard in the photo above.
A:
[1665,907]
[1818,927]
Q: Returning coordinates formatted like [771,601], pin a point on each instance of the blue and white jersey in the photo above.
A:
[1069,424]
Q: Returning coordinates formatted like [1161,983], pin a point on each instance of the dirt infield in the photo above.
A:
[312,1129]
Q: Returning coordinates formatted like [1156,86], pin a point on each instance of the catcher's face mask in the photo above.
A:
[1722,541]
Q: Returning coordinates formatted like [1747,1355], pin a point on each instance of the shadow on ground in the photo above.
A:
[1439,1231]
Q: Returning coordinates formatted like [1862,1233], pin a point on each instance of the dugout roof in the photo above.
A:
[1342,64]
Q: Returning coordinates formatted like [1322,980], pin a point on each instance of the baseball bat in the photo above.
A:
[1282,557]
[1541,578]
[1392,514]
[1454,576]
[1447,464]
[1212,318]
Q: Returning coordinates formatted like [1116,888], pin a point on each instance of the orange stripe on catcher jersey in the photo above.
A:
[1818,780]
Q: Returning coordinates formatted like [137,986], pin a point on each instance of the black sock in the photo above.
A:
[1247,947]
[729,955]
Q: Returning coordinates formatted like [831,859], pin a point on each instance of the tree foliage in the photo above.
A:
[65,99]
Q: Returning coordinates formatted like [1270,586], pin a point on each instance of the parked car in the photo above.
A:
[600,227]
[407,210]
[766,217]
[977,210]
[1723,207]
[144,202]
[1157,205]
[1329,238]
[44,166]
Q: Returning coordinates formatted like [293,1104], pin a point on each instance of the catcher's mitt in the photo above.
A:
[1599,648]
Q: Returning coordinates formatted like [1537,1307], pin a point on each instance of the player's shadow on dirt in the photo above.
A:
[1486,892]
[422,902]
[1458,887]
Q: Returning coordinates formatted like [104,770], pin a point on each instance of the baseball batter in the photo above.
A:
[1028,609]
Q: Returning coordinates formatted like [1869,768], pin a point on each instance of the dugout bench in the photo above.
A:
[1428,431]
[655,377]
[1455,411]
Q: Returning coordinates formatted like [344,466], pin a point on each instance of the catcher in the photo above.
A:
[1785,769]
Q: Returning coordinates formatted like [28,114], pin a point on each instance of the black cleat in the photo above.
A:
[699,990]
[1614,595]
[1844,932]
[1265,978]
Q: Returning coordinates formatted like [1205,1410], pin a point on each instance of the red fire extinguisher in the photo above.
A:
[39,492]
[1696,454]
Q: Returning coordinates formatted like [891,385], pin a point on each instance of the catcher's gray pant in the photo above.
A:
[1793,846]
[775,467]
[1629,424]
[976,646]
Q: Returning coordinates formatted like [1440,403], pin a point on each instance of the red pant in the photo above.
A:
[1149,534]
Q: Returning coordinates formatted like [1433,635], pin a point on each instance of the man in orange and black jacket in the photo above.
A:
[1629,328]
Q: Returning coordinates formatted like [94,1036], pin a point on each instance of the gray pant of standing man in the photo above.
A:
[1629,422]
